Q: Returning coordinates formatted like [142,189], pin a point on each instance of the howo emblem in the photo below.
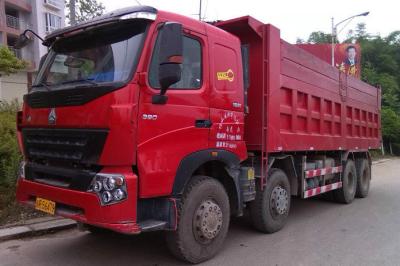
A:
[52,116]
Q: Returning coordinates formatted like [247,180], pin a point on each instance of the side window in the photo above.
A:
[191,66]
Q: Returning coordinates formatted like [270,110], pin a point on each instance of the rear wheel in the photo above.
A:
[349,184]
[363,177]
[270,209]
[203,221]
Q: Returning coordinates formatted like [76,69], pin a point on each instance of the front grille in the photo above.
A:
[67,147]
[75,179]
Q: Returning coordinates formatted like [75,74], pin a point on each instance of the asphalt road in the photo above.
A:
[319,232]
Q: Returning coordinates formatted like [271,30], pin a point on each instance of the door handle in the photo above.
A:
[203,123]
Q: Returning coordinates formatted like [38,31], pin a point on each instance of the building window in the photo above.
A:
[53,22]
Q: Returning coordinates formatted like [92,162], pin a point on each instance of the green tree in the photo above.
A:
[390,127]
[320,37]
[84,10]
[9,63]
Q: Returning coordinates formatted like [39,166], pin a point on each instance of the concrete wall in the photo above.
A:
[13,87]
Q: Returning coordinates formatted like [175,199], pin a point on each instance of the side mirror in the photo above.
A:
[170,58]
[42,59]
[22,41]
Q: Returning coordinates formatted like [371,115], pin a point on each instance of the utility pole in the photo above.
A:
[200,10]
[333,34]
[72,17]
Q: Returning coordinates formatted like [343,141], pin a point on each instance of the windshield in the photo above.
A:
[102,55]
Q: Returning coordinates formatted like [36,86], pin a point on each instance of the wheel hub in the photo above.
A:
[279,200]
[207,220]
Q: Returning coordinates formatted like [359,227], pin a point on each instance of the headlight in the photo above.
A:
[118,194]
[106,197]
[110,188]
[109,183]
[21,169]
[98,186]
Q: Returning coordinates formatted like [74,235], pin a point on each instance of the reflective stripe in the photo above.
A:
[323,171]
[323,189]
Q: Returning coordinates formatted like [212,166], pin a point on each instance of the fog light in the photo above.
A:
[106,196]
[97,186]
[119,194]
[109,183]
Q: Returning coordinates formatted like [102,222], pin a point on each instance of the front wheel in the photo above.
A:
[203,221]
[270,209]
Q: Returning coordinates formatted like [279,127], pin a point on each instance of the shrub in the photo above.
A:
[10,155]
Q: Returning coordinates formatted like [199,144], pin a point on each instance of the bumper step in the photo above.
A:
[152,225]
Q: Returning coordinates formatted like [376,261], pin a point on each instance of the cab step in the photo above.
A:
[152,225]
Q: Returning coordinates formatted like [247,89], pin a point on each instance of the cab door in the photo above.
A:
[169,132]
[227,96]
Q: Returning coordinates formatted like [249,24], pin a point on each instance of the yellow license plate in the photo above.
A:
[45,205]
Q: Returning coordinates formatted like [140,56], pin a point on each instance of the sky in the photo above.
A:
[295,18]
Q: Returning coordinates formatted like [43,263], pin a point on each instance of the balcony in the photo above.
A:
[21,5]
[55,4]
[13,22]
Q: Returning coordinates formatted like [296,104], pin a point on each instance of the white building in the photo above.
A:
[41,16]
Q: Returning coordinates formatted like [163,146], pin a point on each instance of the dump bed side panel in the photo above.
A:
[314,106]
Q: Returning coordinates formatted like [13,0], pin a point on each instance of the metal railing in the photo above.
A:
[13,22]
[16,52]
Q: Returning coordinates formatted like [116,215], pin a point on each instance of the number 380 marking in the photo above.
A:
[149,117]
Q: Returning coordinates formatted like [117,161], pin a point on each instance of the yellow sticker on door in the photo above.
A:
[227,75]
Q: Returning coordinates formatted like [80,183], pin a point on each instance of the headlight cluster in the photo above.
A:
[110,188]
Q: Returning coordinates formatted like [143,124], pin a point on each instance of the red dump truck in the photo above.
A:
[143,120]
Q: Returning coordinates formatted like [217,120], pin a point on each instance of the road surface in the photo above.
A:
[318,232]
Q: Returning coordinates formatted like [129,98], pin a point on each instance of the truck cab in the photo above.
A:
[105,142]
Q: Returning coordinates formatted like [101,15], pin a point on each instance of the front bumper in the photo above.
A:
[85,207]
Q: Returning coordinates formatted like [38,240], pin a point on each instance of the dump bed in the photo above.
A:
[298,102]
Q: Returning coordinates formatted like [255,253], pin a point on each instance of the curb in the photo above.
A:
[36,228]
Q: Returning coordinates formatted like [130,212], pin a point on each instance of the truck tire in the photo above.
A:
[270,209]
[363,177]
[203,221]
[347,192]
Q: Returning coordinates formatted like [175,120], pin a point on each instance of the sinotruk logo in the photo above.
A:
[52,117]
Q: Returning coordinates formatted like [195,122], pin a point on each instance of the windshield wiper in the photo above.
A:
[42,84]
[80,80]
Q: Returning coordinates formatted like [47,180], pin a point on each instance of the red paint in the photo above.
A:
[307,104]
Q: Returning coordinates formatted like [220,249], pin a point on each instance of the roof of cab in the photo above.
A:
[98,20]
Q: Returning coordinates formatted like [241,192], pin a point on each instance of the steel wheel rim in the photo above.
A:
[207,221]
[279,201]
